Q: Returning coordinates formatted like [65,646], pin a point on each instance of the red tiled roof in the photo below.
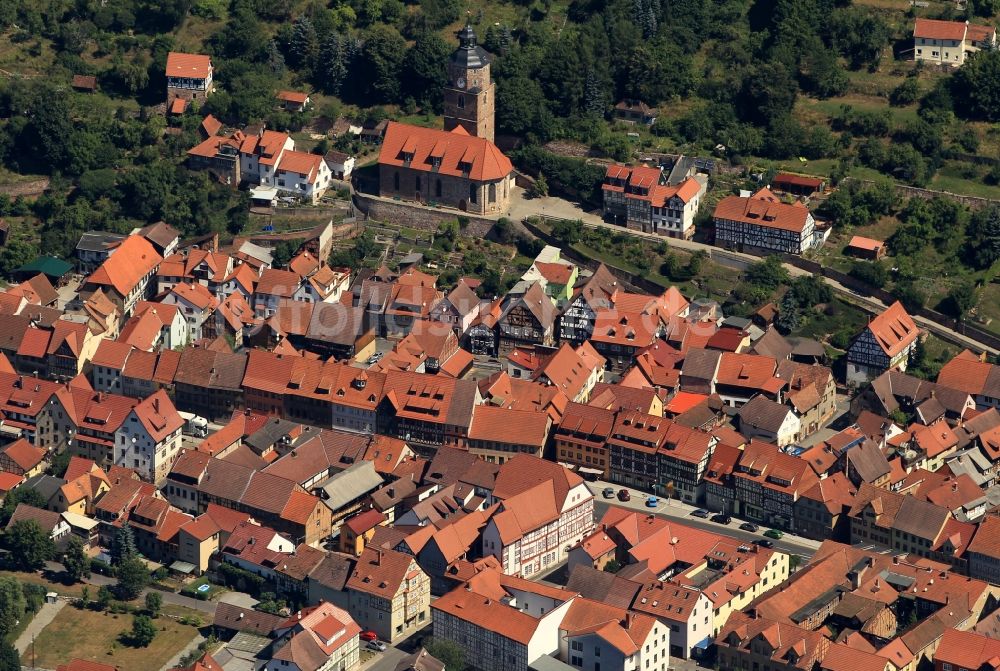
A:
[455,149]
[514,427]
[85,665]
[867,244]
[293,97]
[894,329]
[132,261]
[762,213]
[192,66]
[34,344]
[275,282]
[112,354]
[306,165]
[787,178]
[24,454]
[939,30]
[211,125]
[365,521]
[967,650]
[9,481]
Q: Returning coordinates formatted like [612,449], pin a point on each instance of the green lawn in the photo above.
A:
[90,635]
[952,177]
[58,587]
[831,106]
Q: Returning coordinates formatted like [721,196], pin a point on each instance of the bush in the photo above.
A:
[906,93]
[240,579]
[873,274]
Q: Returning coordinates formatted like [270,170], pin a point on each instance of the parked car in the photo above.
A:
[375,358]
[624,495]
[722,518]
[774,533]
[749,526]
[764,543]
[368,636]
[700,512]
[376,645]
[652,502]
[609,492]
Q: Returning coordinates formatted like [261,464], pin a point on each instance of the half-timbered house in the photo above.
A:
[763,222]
[886,342]
[527,320]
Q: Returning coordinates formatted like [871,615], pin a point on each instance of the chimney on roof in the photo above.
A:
[378,557]
[240,616]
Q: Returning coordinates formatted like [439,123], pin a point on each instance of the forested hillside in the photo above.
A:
[826,80]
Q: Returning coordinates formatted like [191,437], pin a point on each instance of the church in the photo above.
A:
[459,166]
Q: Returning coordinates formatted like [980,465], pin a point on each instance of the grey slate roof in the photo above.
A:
[350,484]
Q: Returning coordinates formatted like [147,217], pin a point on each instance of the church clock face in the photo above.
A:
[461,82]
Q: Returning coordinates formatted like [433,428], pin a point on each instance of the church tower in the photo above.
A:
[470,94]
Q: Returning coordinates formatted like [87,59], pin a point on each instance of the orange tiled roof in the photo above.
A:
[513,427]
[894,329]
[939,30]
[293,97]
[460,154]
[762,212]
[134,259]
[192,66]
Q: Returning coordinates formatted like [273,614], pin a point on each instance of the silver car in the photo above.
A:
[378,646]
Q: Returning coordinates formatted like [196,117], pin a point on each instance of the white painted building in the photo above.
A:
[149,440]
[505,628]
[594,636]
[545,510]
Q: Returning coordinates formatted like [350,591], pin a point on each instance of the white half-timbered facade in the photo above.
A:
[887,342]
[763,222]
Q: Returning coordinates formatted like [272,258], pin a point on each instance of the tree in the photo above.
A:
[568,232]
[122,545]
[976,86]
[154,601]
[768,274]
[104,597]
[540,187]
[331,70]
[75,560]
[961,299]
[143,631]
[29,545]
[425,67]
[983,248]
[809,291]
[133,576]
[987,8]
[9,659]
[303,45]
[383,52]
[789,315]
[284,252]
[873,274]
[59,463]
[16,253]
[12,605]
[906,93]
[446,652]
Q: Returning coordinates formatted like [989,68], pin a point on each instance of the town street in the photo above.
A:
[681,512]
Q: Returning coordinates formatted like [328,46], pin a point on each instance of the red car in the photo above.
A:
[368,636]
[624,495]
